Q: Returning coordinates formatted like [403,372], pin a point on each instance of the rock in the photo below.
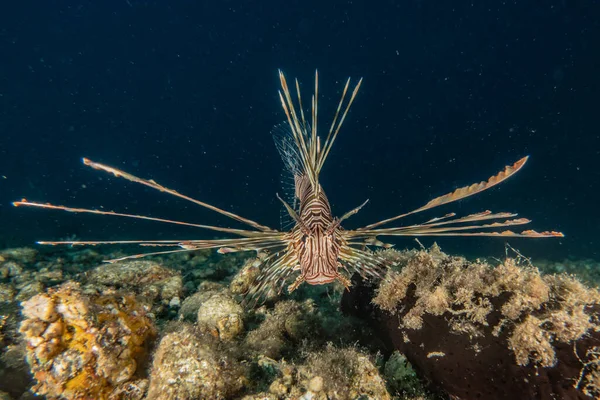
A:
[190,305]
[289,323]
[28,290]
[480,332]
[188,366]
[41,307]
[24,255]
[261,396]
[7,292]
[146,278]
[331,373]
[10,269]
[315,384]
[49,276]
[175,302]
[221,314]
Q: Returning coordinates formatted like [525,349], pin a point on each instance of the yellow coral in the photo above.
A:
[83,347]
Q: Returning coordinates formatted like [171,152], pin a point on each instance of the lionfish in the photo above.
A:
[317,247]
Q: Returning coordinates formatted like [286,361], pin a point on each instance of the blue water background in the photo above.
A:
[186,93]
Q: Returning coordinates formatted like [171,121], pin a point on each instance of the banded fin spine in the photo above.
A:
[311,152]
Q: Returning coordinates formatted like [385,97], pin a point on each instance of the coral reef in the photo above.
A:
[187,365]
[81,346]
[478,331]
[455,321]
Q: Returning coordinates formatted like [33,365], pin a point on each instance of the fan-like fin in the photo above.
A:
[152,184]
[142,255]
[452,227]
[305,136]
[367,264]
[284,142]
[274,274]
[460,193]
[283,137]
[241,232]
[524,234]
[224,245]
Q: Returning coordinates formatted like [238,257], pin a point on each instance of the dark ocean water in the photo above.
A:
[186,93]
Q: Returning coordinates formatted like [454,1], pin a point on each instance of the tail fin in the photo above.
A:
[311,153]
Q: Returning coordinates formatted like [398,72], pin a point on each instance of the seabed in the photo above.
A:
[175,327]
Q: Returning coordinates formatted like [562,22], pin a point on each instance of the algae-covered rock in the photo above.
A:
[330,373]
[131,390]
[289,323]
[10,269]
[147,278]
[480,331]
[191,304]
[82,346]
[25,255]
[29,289]
[220,313]
[7,292]
[188,365]
[344,373]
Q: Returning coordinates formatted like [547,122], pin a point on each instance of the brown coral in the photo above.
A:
[83,347]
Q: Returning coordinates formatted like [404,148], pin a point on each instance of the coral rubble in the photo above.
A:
[81,346]
[477,331]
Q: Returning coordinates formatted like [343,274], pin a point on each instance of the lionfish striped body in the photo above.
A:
[316,245]
[317,248]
